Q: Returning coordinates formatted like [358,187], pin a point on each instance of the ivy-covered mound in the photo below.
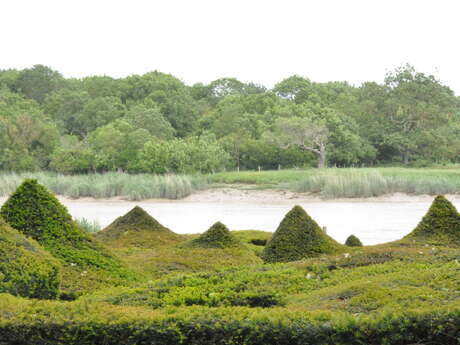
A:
[439,226]
[217,236]
[353,241]
[26,269]
[298,236]
[137,228]
[36,212]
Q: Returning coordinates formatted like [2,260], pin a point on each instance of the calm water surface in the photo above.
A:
[372,222]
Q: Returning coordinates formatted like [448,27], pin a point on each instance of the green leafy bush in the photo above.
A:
[439,226]
[26,269]
[34,211]
[217,236]
[137,228]
[353,241]
[298,236]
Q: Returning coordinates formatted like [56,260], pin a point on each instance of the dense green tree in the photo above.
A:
[73,156]
[39,81]
[115,145]
[150,119]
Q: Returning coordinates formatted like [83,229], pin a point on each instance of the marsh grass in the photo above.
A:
[131,187]
[354,183]
[90,226]
[328,183]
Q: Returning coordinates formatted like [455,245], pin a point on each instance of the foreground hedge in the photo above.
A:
[33,322]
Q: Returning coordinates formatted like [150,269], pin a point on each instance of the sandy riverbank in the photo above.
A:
[236,194]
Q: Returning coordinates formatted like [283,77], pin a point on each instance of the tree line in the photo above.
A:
[155,123]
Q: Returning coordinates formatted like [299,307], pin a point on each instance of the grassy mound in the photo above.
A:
[298,236]
[217,236]
[26,269]
[439,226]
[137,228]
[36,212]
[353,241]
[253,239]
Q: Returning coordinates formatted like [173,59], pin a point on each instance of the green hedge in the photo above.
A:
[37,213]
[78,323]
[439,226]
[297,237]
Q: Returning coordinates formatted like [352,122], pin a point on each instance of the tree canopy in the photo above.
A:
[156,123]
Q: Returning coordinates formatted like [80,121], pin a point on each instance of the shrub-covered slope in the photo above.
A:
[353,241]
[217,236]
[26,269]
[34,211]
[298,236]
[137,228]
[439,226]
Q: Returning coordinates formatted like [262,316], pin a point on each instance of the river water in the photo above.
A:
[372,222]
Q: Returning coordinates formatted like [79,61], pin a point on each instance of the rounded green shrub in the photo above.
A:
[217,236]
[26,269]
[36,212]
[439,226]
[137,228]
[353,241]
[298,236]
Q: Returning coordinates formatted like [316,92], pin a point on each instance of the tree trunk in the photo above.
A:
[322,157]
[406,158]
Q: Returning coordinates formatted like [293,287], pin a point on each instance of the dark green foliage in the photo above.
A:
[439,226]
[36,212]
[217,236]
[353,241]
[259,242]
[137,228]
[26,269]
[298,236]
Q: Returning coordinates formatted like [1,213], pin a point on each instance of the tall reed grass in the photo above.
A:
[131,187]
[353,183]
[90,226]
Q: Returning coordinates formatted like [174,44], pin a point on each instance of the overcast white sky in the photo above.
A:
[262,41]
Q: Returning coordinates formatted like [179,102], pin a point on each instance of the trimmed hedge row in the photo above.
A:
[83,324]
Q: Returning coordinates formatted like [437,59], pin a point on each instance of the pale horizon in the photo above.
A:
[262,42]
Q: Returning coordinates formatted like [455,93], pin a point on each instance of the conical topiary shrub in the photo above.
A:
[137,228]
[217,236]
[439,226]
[26,269]
[298,236]
[36,212]
[353,241]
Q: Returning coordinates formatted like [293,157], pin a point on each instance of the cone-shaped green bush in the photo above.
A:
[26,269]
[353,241]
[439,226]
[137,228]
[217,236]
[298,236]
[36,212]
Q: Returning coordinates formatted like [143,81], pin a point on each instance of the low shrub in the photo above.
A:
[26,269]
[137,228]
[80,323]
[217,236]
